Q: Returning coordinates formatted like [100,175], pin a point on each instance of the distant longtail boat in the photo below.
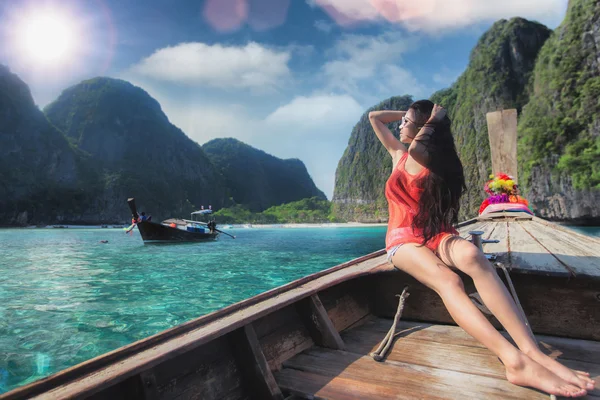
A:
[174,229]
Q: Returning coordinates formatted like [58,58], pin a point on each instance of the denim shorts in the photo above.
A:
[391,253]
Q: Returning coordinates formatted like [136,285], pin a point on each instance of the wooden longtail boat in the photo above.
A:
[174,230]
[312,338]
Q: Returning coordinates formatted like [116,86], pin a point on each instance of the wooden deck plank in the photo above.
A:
[467,359]
[307,385]
[492,230]
[477,226]
[573,349]
[499,232]
[570,349]
[419,331]
[581,255]
[528,256]
[565,349]
[426,361]
[407,379]
[442,353]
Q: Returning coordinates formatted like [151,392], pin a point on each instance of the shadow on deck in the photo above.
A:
[426,361]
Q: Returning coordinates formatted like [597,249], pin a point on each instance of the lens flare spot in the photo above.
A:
[226,15]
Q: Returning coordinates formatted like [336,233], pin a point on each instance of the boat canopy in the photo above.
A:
[202,212]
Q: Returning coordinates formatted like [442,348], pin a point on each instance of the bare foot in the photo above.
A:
[578,378]
[525,372]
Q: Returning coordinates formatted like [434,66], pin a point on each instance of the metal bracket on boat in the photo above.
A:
[483,241]
[477,241]
[476,238]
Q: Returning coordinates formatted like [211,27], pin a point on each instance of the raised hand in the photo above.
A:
[438,113]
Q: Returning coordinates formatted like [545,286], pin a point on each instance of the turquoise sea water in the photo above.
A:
[587,230]
[65,297]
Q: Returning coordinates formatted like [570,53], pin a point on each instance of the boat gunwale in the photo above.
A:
[562,228]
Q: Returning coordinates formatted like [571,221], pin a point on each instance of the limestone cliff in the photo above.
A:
[559,130]
[497,77]
[364,168]
[37,165]
[259,180]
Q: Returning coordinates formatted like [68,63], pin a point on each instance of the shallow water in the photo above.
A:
[586,230]
[65,297]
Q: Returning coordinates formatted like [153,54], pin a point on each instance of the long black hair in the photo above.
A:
[445,183]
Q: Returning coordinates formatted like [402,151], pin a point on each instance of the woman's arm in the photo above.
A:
[418,149]
[378,120]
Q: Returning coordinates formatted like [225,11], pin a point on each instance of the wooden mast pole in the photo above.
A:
[502,133]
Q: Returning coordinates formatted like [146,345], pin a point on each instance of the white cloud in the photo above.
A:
[252,66]
[396,80]
[435,15]
[318,110]
[369,67]
[356,57]
[323,26]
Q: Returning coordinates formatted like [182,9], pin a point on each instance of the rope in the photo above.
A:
[516,298]
[478,302]
[384,346]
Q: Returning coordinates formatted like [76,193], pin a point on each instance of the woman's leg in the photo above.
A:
[465,256]
[521,370]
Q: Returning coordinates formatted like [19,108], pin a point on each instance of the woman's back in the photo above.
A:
[403,192]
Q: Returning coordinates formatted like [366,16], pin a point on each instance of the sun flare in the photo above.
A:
[47,37]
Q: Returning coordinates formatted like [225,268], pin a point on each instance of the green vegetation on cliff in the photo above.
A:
[310,210]
[563,116]
[135,150]
[258,180]
[497,77]
[364,168]
[39,170]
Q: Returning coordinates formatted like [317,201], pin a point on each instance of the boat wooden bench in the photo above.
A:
[312,337]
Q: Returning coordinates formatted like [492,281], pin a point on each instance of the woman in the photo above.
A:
[423,194]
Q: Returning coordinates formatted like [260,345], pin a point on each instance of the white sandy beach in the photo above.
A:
[323,225]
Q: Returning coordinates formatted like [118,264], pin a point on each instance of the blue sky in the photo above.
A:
[290,77]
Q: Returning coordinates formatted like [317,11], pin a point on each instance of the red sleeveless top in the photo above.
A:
[403,195]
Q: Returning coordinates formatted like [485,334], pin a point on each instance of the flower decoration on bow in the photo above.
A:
[502,188]
[501,184]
